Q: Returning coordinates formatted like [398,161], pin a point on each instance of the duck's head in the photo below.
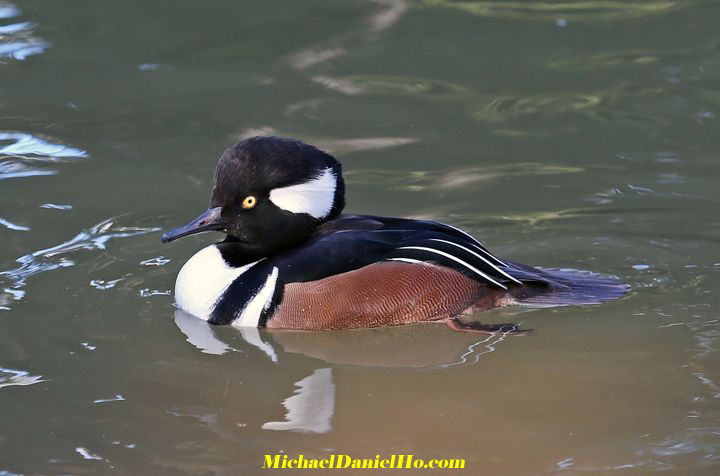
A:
[269,194]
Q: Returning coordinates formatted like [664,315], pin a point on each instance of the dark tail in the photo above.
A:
[568,287]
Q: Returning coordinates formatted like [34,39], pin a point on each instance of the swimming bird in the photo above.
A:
[290,258]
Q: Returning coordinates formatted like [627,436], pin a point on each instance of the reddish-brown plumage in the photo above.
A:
[382,294]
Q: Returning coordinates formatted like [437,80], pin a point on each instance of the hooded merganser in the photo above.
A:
[291,260]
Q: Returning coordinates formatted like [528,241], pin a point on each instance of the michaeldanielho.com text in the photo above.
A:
[345,461]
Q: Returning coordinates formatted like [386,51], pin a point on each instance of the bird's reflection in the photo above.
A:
[311,407]
[418,345]
[200,334]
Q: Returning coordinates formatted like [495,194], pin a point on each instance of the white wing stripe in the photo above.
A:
[489,255]
[476,243]
[458,260]
[481,257]
[405,260]
[463,232]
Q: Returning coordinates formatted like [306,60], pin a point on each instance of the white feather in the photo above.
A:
[407,260]
[314,197]
[457,260]
[481,257]
[203,280]
[250,316]
[476,243]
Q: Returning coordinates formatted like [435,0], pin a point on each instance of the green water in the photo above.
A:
[562,134]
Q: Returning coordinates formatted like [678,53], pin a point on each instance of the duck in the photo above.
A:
[291,259]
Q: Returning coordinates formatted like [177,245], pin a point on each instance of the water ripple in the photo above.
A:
[103,285]
[623,191]
[21,153]
[589,10]
[10,377]
[93,238]
[8,10]
[334,145]
[610,60]
[116,398]
[55,206]
[19,144]
[503,107]
[704,442]
[388,16]
[313,56]
[87,454]
[12,226]
[17,40]
[157,261]
[621,103]
[396,86]
[453,179]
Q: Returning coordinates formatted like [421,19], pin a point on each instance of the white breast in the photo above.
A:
[203,280]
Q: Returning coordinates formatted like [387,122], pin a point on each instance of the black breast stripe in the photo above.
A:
[233,301]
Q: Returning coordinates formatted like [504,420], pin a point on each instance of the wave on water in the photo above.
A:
[17,40]
[25,155]
[12,282]
[588,10]
[333,145]
[11,377]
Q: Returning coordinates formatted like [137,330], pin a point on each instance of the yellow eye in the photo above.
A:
[249,202]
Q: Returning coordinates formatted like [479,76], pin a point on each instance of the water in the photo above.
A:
[579,134]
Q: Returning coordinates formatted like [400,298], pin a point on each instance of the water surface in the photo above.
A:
[562,134]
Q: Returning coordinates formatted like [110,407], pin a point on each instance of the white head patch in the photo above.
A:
[314,197]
